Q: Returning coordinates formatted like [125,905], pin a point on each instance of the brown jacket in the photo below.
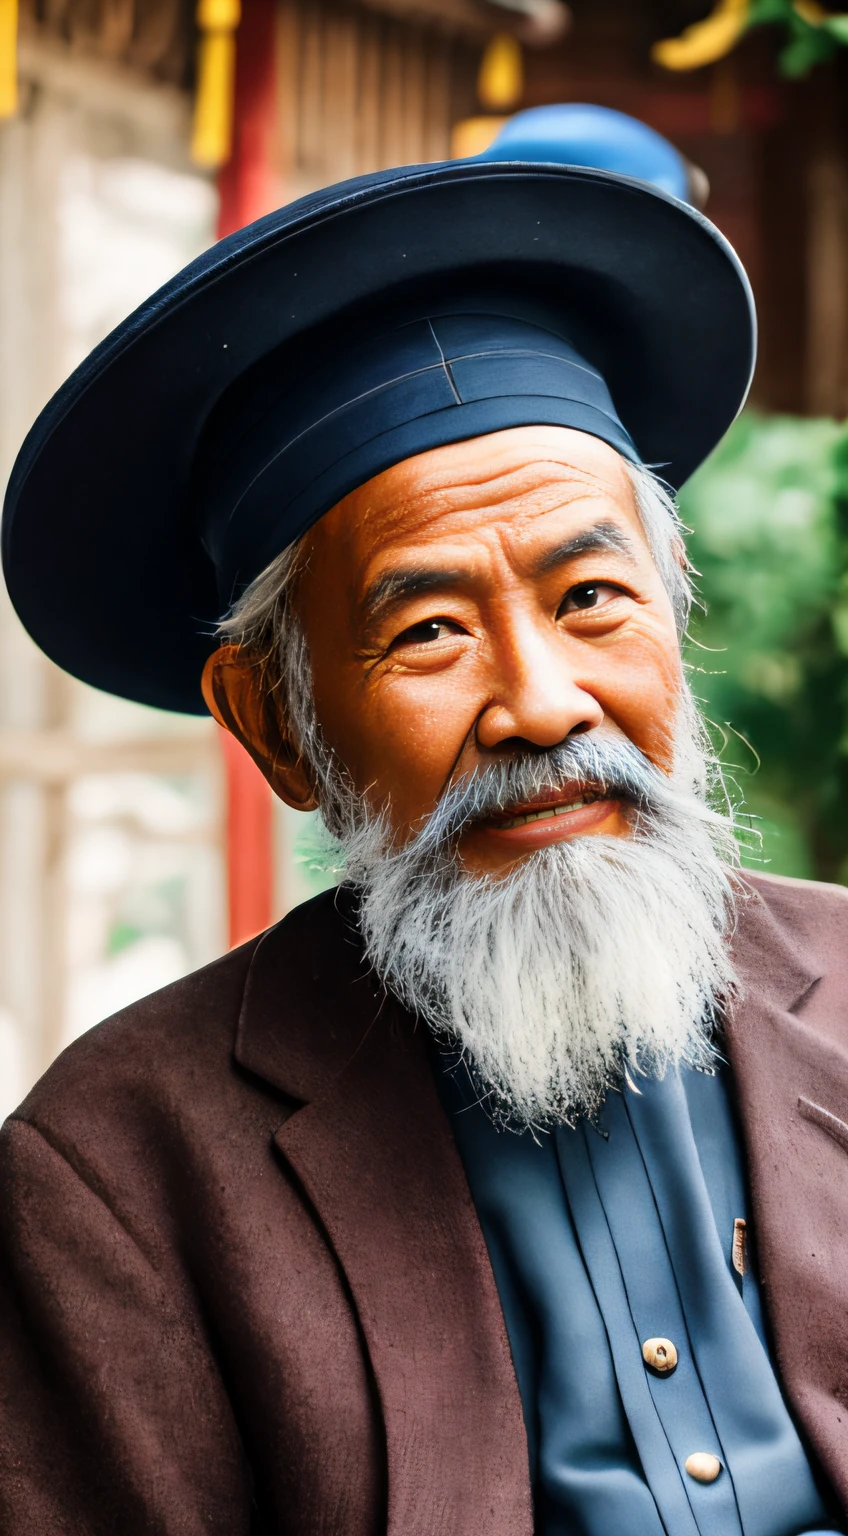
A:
[244,1288]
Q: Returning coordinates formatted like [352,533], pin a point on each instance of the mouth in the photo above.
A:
[522,818]
[546,806]
[555,814]
[552,816]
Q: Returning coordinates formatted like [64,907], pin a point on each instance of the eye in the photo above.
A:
[426,632]
[590,594]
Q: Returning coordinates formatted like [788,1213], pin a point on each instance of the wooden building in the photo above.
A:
[330,88]
[99,202]
[775,152]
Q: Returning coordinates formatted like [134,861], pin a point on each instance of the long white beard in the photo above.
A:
[588,960]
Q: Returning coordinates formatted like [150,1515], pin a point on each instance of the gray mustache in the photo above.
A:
[612,767]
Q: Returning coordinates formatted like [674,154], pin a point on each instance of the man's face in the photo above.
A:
[494,596]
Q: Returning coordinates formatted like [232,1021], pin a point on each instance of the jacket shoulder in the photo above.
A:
[166,1036]
[154,1108]
[176,1047]
[183,1032]
[812,913]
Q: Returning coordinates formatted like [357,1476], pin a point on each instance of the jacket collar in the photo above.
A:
[788,1046]
[773,962]
[374,1154]
[309,999]
[373,1151]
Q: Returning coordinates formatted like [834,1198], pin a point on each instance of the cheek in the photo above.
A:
[400,736]
[639,688]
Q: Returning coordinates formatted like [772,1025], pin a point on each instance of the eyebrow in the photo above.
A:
[399,586]
[416,581]
[601,536]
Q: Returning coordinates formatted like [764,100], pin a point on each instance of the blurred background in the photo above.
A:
[134,845]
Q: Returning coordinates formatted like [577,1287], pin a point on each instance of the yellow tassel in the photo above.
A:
[8,58]
[212,129]
[500,83]
[705,41]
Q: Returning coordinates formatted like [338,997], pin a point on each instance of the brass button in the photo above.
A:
[660,1355]
[739,1251]
[703,1467]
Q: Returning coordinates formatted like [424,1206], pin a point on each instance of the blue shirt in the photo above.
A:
[601,1239]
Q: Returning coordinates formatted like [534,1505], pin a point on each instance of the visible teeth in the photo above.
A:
[544,815]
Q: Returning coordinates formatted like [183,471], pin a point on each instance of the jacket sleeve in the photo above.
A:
[113,1417]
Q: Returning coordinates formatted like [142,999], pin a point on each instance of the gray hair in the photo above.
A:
[263,620]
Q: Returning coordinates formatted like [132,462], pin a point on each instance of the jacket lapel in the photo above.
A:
[373,1151]
[787,1044]
[374,1154]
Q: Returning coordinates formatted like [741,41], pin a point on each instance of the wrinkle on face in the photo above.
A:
[480,522]
[525,469]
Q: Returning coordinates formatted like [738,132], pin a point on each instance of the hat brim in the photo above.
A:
[101,554]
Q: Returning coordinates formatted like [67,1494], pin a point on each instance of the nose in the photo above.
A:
[537,697]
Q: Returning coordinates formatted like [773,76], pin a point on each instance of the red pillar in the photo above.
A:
[245,183]
[250,863]
[246,192]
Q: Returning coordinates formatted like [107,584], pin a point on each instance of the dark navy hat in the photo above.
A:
[340,335]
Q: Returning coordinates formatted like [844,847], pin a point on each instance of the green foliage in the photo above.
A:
[769,659]
[810,38]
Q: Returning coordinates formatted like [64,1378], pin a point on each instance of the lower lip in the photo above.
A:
[551,829]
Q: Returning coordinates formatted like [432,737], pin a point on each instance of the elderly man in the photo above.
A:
[504,1189]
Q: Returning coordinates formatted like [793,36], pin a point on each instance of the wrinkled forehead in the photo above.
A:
[521,488]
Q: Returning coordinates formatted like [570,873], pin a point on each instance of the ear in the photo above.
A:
[232,688]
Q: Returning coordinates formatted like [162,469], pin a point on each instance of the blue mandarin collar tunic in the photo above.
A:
[602,1239]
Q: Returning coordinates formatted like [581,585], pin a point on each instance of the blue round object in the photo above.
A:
[575,133]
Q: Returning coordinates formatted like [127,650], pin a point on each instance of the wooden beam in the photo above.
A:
[57,756]
[107,87]
[468,18]
[536,22]
[827,245]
